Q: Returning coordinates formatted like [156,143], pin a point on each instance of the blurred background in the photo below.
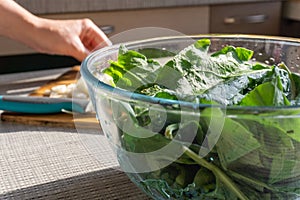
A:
[264,17]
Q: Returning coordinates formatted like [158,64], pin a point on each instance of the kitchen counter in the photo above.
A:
[63,6]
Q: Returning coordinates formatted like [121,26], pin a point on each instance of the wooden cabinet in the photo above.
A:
[179,19]
[186,20]
[247,18]
[250,18]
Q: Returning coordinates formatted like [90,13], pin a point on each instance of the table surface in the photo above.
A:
[40,162]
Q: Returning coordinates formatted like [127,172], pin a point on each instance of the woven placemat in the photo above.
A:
[103,184]
[57,163]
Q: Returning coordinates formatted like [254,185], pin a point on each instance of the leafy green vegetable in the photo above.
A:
[132,70]
[193,69]
[156,53]
[259,96]
[226,154]
[242,54]
[278,88]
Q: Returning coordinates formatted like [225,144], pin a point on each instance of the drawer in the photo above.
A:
[248,18]
[180,19]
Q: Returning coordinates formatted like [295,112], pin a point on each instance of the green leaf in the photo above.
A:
[155,53]
[233,90]
[132,70]
[205,180]
[193,70]
[278,154]
[259,96]
[289,189]
[286,120]
[241,53]
[235,142]
[157,91]
[202,44]
[266,94]
[144,145]
[260,66]
[296,89]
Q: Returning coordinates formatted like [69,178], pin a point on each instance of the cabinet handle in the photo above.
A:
[229,20]
[251,19]
[107,29]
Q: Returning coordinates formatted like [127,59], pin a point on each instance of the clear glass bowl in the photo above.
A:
[218,152]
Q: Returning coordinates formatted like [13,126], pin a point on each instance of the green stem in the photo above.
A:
[254,182]
[217,172]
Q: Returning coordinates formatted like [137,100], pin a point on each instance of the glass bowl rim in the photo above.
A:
[129,96]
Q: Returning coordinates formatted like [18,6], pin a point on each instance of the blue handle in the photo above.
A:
[40,105]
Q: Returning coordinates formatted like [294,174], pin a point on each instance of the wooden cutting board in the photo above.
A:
[87,120]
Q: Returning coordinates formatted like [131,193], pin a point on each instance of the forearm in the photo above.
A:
[16,22]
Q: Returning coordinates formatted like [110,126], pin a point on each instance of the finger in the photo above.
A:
[93,37]
[99,36]
[79,51]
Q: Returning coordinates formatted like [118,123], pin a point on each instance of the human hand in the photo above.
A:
[76,38]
